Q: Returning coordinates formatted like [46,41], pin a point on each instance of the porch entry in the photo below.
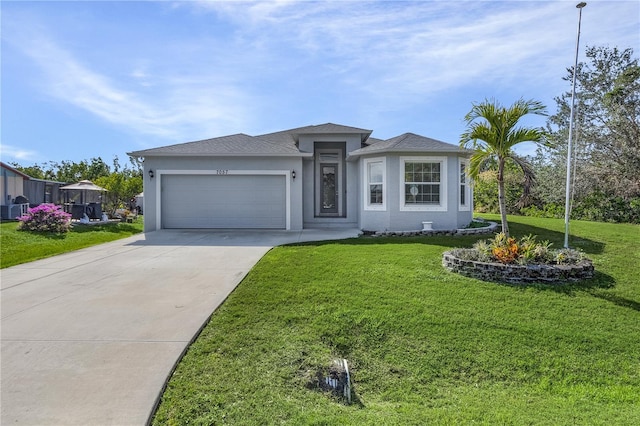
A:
[329,183]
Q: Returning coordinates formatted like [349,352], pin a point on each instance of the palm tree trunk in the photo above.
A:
[501,197]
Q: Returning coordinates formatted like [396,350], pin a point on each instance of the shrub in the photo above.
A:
[601,208]
[45,218]
[524,251]
[485,190]
[567,256]
[552,210]
[504,249]
[483,250]
[477,223]
[596,207]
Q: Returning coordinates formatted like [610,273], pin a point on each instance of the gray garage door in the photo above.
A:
[229,201]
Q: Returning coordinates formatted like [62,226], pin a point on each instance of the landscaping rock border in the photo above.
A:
[518,274]
[490,229]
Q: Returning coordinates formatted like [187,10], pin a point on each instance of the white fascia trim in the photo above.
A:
[365,179]
[442,207]
[225,172]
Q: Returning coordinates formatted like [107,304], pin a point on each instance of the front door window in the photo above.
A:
[329,181]
[329,188]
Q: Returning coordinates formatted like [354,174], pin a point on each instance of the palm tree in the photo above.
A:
[492,131]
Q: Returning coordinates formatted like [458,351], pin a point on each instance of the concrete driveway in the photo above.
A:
[90,337]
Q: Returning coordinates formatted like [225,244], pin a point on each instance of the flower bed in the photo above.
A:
[518,274]
[521,261]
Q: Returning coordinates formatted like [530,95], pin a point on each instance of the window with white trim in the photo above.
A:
[375,181]
[423,183]
[463,181]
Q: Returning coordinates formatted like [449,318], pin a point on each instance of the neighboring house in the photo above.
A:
[310,177]
[11,186]
[18,190]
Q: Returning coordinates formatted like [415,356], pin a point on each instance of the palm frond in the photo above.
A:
[525,134]
[477,160]
[531,107]
[489,110]
[477,136]
[491,124]
[529,179]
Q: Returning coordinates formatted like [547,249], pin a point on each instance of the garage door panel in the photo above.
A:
[230,201]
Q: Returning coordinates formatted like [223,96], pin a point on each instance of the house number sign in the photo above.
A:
[222,172]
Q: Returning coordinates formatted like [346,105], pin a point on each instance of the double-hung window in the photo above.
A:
[374,179]
[463,179]
[423,183]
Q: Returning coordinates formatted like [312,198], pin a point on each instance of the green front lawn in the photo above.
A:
[18,247]
[426,346]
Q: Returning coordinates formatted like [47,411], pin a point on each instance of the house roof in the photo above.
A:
[11,169]
[329,128]
[408,142]
[233,145]
[371,141]
[284,143]
[291,136]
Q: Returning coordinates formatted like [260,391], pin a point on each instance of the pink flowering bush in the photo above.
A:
[45,218]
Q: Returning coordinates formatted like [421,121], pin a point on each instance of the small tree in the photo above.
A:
[492,131]
[122,185]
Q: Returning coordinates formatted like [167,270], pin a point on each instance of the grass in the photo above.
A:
[425,346]
[18,247]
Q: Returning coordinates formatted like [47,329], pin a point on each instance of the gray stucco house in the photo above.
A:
[327,175]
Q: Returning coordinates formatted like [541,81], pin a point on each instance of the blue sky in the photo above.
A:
[84,79]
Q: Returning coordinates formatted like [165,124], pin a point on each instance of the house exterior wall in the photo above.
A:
[210,165]
[350,192]
[41,191]
[34,191]
[11,185]
[396,217]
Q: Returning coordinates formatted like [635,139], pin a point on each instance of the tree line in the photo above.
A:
[606,159]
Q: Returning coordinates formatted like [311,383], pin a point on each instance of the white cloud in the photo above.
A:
[17,153]
[393,49]
[179,107]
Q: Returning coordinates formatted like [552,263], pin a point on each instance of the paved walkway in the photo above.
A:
[89,337]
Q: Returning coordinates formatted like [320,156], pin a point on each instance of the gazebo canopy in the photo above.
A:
[85,185]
